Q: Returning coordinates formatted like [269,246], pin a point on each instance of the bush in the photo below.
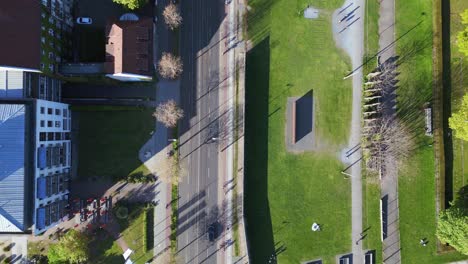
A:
[149,224]
[140,178]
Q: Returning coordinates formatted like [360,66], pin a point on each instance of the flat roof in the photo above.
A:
[12,167]
[20,28]
[11,84]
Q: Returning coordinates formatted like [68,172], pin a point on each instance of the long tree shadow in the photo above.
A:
[257,211]
[447,103]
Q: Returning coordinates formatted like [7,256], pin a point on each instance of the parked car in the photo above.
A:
[211,233]
[84,20]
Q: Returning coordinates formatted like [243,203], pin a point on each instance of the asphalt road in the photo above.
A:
[199,196]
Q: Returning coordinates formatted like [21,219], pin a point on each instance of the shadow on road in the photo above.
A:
[202,21]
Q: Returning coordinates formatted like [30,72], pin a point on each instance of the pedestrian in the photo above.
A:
[423,242]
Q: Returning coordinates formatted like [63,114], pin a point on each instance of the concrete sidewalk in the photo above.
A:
[389,183]
[349,35]
[157,147]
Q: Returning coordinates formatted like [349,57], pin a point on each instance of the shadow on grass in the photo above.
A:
[447,102]
[101,249]
[257,211]
[258,19]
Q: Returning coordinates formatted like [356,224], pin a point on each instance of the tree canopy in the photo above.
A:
[170,66]
[71,248]
[452,228]
[459,120]
[462,37]
[172,16]
[168,113]
[131,4]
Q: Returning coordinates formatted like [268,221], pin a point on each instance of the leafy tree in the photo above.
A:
[131,4]
[462,37]
[459,120]
[71,248]
[452,228]
[464,17]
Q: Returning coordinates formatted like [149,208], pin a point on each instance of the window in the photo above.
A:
[42,110]
[42,136]
[49,111]
[49,123]
[65,124]
[58,136]
[57,111]
[65,112]
[57,123]
[42,123]
[50,136]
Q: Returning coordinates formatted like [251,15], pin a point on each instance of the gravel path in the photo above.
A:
[348,29]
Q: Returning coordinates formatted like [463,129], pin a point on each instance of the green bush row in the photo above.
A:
[149,230]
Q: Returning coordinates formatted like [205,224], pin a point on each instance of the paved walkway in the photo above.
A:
[389,183]
[20,249]
[158,146]
[348,28]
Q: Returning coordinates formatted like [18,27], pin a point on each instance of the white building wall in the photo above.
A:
[51,117]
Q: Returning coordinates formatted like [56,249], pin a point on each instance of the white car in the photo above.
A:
[84,20]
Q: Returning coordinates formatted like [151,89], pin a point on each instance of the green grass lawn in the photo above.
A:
[134,228]
[104,249]
[459,88]
[417,211]
[371,35]
[371,217]
[371,187]
[286,193]
[109,141]
[417,173]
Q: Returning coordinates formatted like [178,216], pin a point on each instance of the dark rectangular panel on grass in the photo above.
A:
[384,208]
[303,114]
[369,257]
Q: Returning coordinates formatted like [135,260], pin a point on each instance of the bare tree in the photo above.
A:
[385,140]
[168,170]
[168,113]
[170,66]
[172,16]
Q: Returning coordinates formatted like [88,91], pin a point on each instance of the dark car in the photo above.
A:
[211,233]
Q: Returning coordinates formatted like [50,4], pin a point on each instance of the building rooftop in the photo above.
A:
[11,84]
[12,167]
[129,47]
[20,28]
